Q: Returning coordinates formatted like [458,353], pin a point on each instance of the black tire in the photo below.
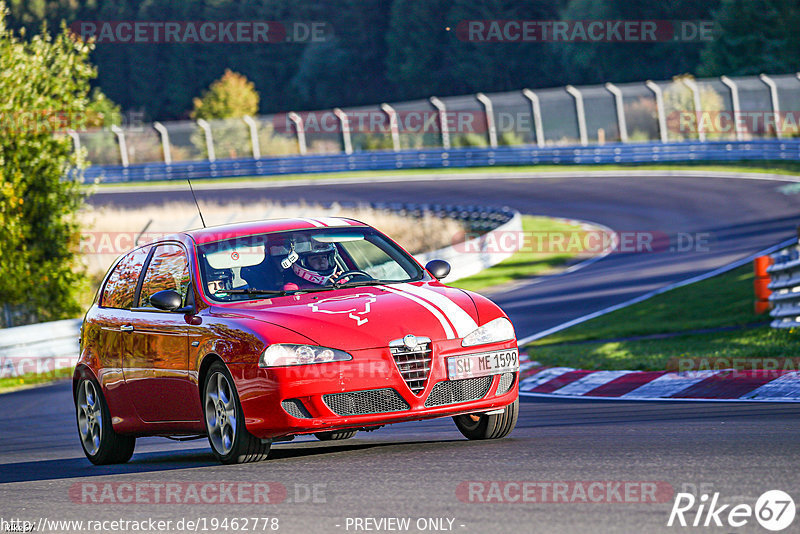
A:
[336,435]
[100,443]
[230,441]
[484,426]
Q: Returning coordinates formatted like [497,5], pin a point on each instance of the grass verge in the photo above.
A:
[8,384]
[526,263]
[774,167]
[725,301]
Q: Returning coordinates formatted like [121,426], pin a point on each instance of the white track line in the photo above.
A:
[651,294]
[504,175]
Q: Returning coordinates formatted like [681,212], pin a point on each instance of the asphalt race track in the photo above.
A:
[415,469]
[422,470]
[728,218]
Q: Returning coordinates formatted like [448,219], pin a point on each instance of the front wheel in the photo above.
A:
[100,443]
[482,426]
[229,438]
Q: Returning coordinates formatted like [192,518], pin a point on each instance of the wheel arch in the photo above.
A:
[205,364]
[82,371]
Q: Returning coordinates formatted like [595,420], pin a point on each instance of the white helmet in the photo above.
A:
[319,276]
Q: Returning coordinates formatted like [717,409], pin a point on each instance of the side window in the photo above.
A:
[121,285]
[169,269]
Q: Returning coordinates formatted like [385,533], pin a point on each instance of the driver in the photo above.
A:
[316,265]
[219,281]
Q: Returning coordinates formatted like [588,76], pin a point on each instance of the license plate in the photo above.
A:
[483,364]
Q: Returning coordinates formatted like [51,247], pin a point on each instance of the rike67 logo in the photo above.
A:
[774,510]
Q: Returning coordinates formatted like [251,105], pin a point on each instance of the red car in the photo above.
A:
[255,333]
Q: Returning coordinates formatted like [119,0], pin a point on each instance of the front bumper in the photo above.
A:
[332,396]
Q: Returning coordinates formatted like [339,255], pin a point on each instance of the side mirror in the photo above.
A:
[167,300]
[438,268]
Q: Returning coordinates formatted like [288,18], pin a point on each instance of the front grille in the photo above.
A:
[506,381]
[365,402]
[456,391]
[414,364]
[295,408]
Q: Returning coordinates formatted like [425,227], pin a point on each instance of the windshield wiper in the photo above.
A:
[277,292]
[361,283]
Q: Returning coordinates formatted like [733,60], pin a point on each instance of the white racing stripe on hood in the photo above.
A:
[464,324]
[448,330]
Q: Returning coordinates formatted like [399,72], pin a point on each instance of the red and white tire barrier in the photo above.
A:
[729,384]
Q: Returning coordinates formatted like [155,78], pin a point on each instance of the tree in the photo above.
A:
[636,61]
[754,36]
[348,68]
[45,88]
[232,96]
[418,59]
[503,66]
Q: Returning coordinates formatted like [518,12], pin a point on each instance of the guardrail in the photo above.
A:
[45,347]
[710,151]
[39,348]
[784,284]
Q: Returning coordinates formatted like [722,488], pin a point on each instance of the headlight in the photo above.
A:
[492,332]
[283,355]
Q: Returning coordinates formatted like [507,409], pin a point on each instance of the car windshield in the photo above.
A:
[321,259]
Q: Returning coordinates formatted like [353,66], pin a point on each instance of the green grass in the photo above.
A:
[723,301]
[29,379]
[775,167]
[523,264]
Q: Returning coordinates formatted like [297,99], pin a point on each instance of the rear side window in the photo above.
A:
[121,285]
[168,269]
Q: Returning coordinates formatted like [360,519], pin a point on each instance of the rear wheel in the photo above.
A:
[99,441]
[227,434]
[482,426]
[331,436]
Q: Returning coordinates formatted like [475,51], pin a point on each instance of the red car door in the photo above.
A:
[156,365]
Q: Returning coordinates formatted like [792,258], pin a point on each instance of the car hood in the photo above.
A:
[370,317]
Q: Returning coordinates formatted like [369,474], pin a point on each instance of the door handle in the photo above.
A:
[126,328]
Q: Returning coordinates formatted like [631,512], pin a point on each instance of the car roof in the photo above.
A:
[228,231]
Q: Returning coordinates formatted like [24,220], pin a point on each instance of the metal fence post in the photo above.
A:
[76,141]
[394,127]
[162,131]
[202,123]
[581,112]
[442,109]
[253,136]
[123,146]
[301,131]
[345,123]
[695,89]
[623,126]
[489,112]
[536,109]
[776,107]
[730,84]
[662,113]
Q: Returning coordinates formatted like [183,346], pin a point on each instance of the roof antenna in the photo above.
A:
[196,204]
